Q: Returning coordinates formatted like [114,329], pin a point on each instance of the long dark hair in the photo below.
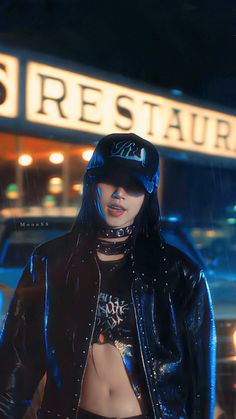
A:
[88,220]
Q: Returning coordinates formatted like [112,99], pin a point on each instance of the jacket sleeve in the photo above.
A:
[22,350]
[201,337]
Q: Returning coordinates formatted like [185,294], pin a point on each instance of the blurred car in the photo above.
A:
[176,234]
[18,238]
[218,260]
[217,244]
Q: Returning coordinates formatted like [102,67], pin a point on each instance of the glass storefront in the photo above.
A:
[39,172]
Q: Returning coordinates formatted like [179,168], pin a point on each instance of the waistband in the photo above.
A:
[82,414]
[86,414]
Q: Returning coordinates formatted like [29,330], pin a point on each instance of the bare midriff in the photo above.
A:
[106,388]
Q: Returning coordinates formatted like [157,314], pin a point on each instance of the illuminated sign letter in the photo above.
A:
[3,91]
[89,104]
[124,112]
[196,130]
[9,69]
[152,107]
[219,134]
[45,96]
[174,124]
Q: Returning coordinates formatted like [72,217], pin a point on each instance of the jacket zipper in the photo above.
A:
[99,287]
[140,344]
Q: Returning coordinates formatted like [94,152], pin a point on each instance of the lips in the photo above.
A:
[115,206]
[116,210]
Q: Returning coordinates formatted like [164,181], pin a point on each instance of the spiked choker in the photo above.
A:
[116,232]
[114,248]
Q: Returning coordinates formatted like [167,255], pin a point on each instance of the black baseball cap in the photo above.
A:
[118,153]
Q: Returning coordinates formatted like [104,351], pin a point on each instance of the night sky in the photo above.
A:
[188,45]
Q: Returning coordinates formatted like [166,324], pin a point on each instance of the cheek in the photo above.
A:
[105,192]
[100,194]
[136,205]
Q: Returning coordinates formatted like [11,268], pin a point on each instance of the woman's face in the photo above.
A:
[119,202]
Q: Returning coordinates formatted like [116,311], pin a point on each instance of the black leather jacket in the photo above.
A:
[51,319]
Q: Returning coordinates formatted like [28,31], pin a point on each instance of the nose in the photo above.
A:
[119,192]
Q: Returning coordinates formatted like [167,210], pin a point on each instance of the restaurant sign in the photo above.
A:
[61,98]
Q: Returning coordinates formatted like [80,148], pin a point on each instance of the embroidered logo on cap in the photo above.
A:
[129,150]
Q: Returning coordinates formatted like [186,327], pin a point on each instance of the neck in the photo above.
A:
[104,257]
[112,239]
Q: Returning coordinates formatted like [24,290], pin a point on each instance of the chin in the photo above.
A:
[114,223]
[118,223]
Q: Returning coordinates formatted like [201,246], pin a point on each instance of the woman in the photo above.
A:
[120,321]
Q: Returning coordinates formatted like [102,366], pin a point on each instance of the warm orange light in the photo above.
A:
[87,154]
[55,185]
[25,160]
[78,187]
[210,233]
[12,191]
[56,158]
[49,201]
[55,180]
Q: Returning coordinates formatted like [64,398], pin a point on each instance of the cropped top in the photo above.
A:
[115,323]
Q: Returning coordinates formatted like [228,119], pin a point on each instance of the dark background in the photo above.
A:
[188,45]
